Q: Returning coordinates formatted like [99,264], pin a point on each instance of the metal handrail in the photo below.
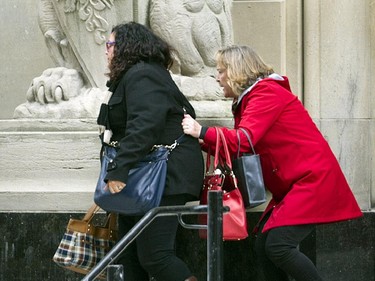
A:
[214,211]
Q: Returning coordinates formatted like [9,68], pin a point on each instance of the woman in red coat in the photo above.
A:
[307,184]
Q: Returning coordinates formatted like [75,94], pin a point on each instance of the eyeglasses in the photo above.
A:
[109,44]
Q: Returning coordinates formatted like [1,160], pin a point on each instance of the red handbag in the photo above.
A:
[223,178]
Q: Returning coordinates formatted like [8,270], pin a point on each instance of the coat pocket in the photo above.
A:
[117,115]
[115,100]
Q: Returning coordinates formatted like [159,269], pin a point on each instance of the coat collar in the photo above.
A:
[237,101]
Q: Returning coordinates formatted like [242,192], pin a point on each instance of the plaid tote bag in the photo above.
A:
[85,244]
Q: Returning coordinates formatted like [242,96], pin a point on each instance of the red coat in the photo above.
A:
[299,168]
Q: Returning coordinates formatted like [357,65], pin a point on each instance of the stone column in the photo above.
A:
[338,84]
[274,29]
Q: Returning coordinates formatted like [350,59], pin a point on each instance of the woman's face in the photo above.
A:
[110,46]
[222,78]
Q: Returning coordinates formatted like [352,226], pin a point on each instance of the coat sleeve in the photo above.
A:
[147,102]
[262,108]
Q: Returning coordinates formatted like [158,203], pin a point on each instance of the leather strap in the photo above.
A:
[227,159]
[91,213]
[239,141]
[221,144]
[216,156]
[110,222]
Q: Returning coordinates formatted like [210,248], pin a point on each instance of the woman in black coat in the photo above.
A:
[146,108]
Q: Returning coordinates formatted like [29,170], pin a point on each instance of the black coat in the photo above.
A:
[146,108]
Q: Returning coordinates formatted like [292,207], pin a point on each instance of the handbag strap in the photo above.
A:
[221,143]
[217,149]
[209,154]
[224,144]
[216,155]
[172,146]
[91,212]
[110,222]
[239,141]
[226,162]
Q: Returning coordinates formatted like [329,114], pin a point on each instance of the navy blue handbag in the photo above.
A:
[145,186]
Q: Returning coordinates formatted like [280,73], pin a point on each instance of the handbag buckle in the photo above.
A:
[114,144]
[172,146]
[218,172]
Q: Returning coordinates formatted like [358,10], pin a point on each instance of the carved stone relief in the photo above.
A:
[197,29]
[75,32]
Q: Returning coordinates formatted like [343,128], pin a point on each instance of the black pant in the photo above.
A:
[278,254]
[153,252]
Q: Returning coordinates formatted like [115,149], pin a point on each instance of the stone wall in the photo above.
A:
[328,59]
[23,53]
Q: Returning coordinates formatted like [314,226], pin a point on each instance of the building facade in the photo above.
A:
[50,164]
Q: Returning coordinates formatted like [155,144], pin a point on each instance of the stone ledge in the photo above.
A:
[51,165]
[45,202]
[55,201]
[49,125]
[48,165]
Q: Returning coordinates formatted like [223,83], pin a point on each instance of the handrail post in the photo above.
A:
[115,272]
[215,260]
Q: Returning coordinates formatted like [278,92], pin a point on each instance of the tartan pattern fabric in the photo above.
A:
[80,252]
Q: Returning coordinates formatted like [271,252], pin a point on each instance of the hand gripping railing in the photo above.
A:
[214,227]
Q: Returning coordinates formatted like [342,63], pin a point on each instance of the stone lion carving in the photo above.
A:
[197,29]
[75,33]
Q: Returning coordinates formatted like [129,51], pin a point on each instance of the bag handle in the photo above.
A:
[239,141]
[217,148]
[227,159]
[110,222]
[216,156]
[227,162]
[221,143]
[91,212]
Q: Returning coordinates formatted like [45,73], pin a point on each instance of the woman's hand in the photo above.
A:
[190,126]
[115,186]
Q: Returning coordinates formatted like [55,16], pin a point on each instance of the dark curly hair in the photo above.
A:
[135,43]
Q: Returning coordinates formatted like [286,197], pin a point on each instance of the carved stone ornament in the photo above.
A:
[75,32]
[89,11]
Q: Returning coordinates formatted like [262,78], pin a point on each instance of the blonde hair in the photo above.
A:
[244,66]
